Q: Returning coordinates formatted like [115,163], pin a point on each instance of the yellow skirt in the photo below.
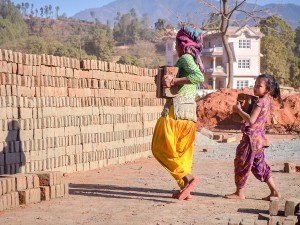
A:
[173,145]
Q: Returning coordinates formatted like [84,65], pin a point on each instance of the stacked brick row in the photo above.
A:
[63,114]
[24,189]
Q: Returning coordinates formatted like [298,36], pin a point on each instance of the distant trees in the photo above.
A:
[12,25]
[128,29]
[280,48]
[46,11]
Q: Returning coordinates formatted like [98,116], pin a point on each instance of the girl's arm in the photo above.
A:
[251,119]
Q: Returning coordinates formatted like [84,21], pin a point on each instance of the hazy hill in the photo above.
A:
[185,10]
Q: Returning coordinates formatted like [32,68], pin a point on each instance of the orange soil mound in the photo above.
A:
[215,109]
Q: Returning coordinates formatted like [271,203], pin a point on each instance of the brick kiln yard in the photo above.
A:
[139,192]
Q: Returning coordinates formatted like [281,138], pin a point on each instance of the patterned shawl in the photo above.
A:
[191,40]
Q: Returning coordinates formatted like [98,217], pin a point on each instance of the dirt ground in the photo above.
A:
[139,193]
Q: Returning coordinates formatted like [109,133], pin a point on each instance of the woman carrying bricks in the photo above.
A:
[175,131]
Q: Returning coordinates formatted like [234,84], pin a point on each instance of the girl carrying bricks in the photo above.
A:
[250,155]
[175,131]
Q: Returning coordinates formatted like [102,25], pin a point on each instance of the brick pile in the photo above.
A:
[24,189]
[64,114]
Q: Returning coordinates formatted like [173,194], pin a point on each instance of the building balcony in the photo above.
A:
[215,51]
[217,71]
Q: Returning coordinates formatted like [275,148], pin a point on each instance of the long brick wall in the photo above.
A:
[64,114]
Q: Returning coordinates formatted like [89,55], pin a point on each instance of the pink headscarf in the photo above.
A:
[191,40]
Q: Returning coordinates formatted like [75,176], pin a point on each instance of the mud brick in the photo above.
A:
[218,137]
[29,181]
[229,139]
[290,220]
[274,206]
[15,198]
[4,201]
[9,200]
[34,195]
[1,203]
[46,178]
[24,197]
[66,189]
[52,189]
[4,186]
[45,193]
[291,206]
[289,167]
[20,182]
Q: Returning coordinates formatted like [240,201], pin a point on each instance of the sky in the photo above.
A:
[71,7]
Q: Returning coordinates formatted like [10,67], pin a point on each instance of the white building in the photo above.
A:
[245,45]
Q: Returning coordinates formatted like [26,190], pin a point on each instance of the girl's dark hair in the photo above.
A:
[272,85]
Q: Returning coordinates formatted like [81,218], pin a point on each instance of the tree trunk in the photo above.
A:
[224,27]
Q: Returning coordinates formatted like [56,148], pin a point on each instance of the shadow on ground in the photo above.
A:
[113,191]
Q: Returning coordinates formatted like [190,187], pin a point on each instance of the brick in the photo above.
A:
[52,191]
[289,167]
[4,186]
[45,193]
[34,195]
[218,137]
[45,178]
[1,204]
[24,197]
[290,220]
[274,206]
[21,182]
[291,206]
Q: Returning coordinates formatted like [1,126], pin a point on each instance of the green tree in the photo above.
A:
[57,10]
[12,25]
[130,60]
[101,45]
[275,58]
[277,48]
[160,25]
[297,42]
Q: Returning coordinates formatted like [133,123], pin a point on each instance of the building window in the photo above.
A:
[244,43]
[244,63]
[242,84]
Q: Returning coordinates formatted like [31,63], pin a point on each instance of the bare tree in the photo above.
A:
[223,17]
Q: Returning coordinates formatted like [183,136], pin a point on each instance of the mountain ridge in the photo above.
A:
[171,10]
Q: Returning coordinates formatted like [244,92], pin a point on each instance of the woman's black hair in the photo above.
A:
[272,85]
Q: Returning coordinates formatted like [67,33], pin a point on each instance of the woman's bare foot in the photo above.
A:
[274,194]
[235,196]
[176,195]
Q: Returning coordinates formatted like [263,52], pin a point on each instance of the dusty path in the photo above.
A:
[139,193]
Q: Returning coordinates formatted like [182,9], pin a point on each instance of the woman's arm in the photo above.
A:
[248,118]
[170,81]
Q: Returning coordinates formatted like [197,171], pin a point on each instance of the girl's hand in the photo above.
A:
[237,107]
[168,81]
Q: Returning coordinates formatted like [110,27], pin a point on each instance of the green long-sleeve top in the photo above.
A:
[188,68]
